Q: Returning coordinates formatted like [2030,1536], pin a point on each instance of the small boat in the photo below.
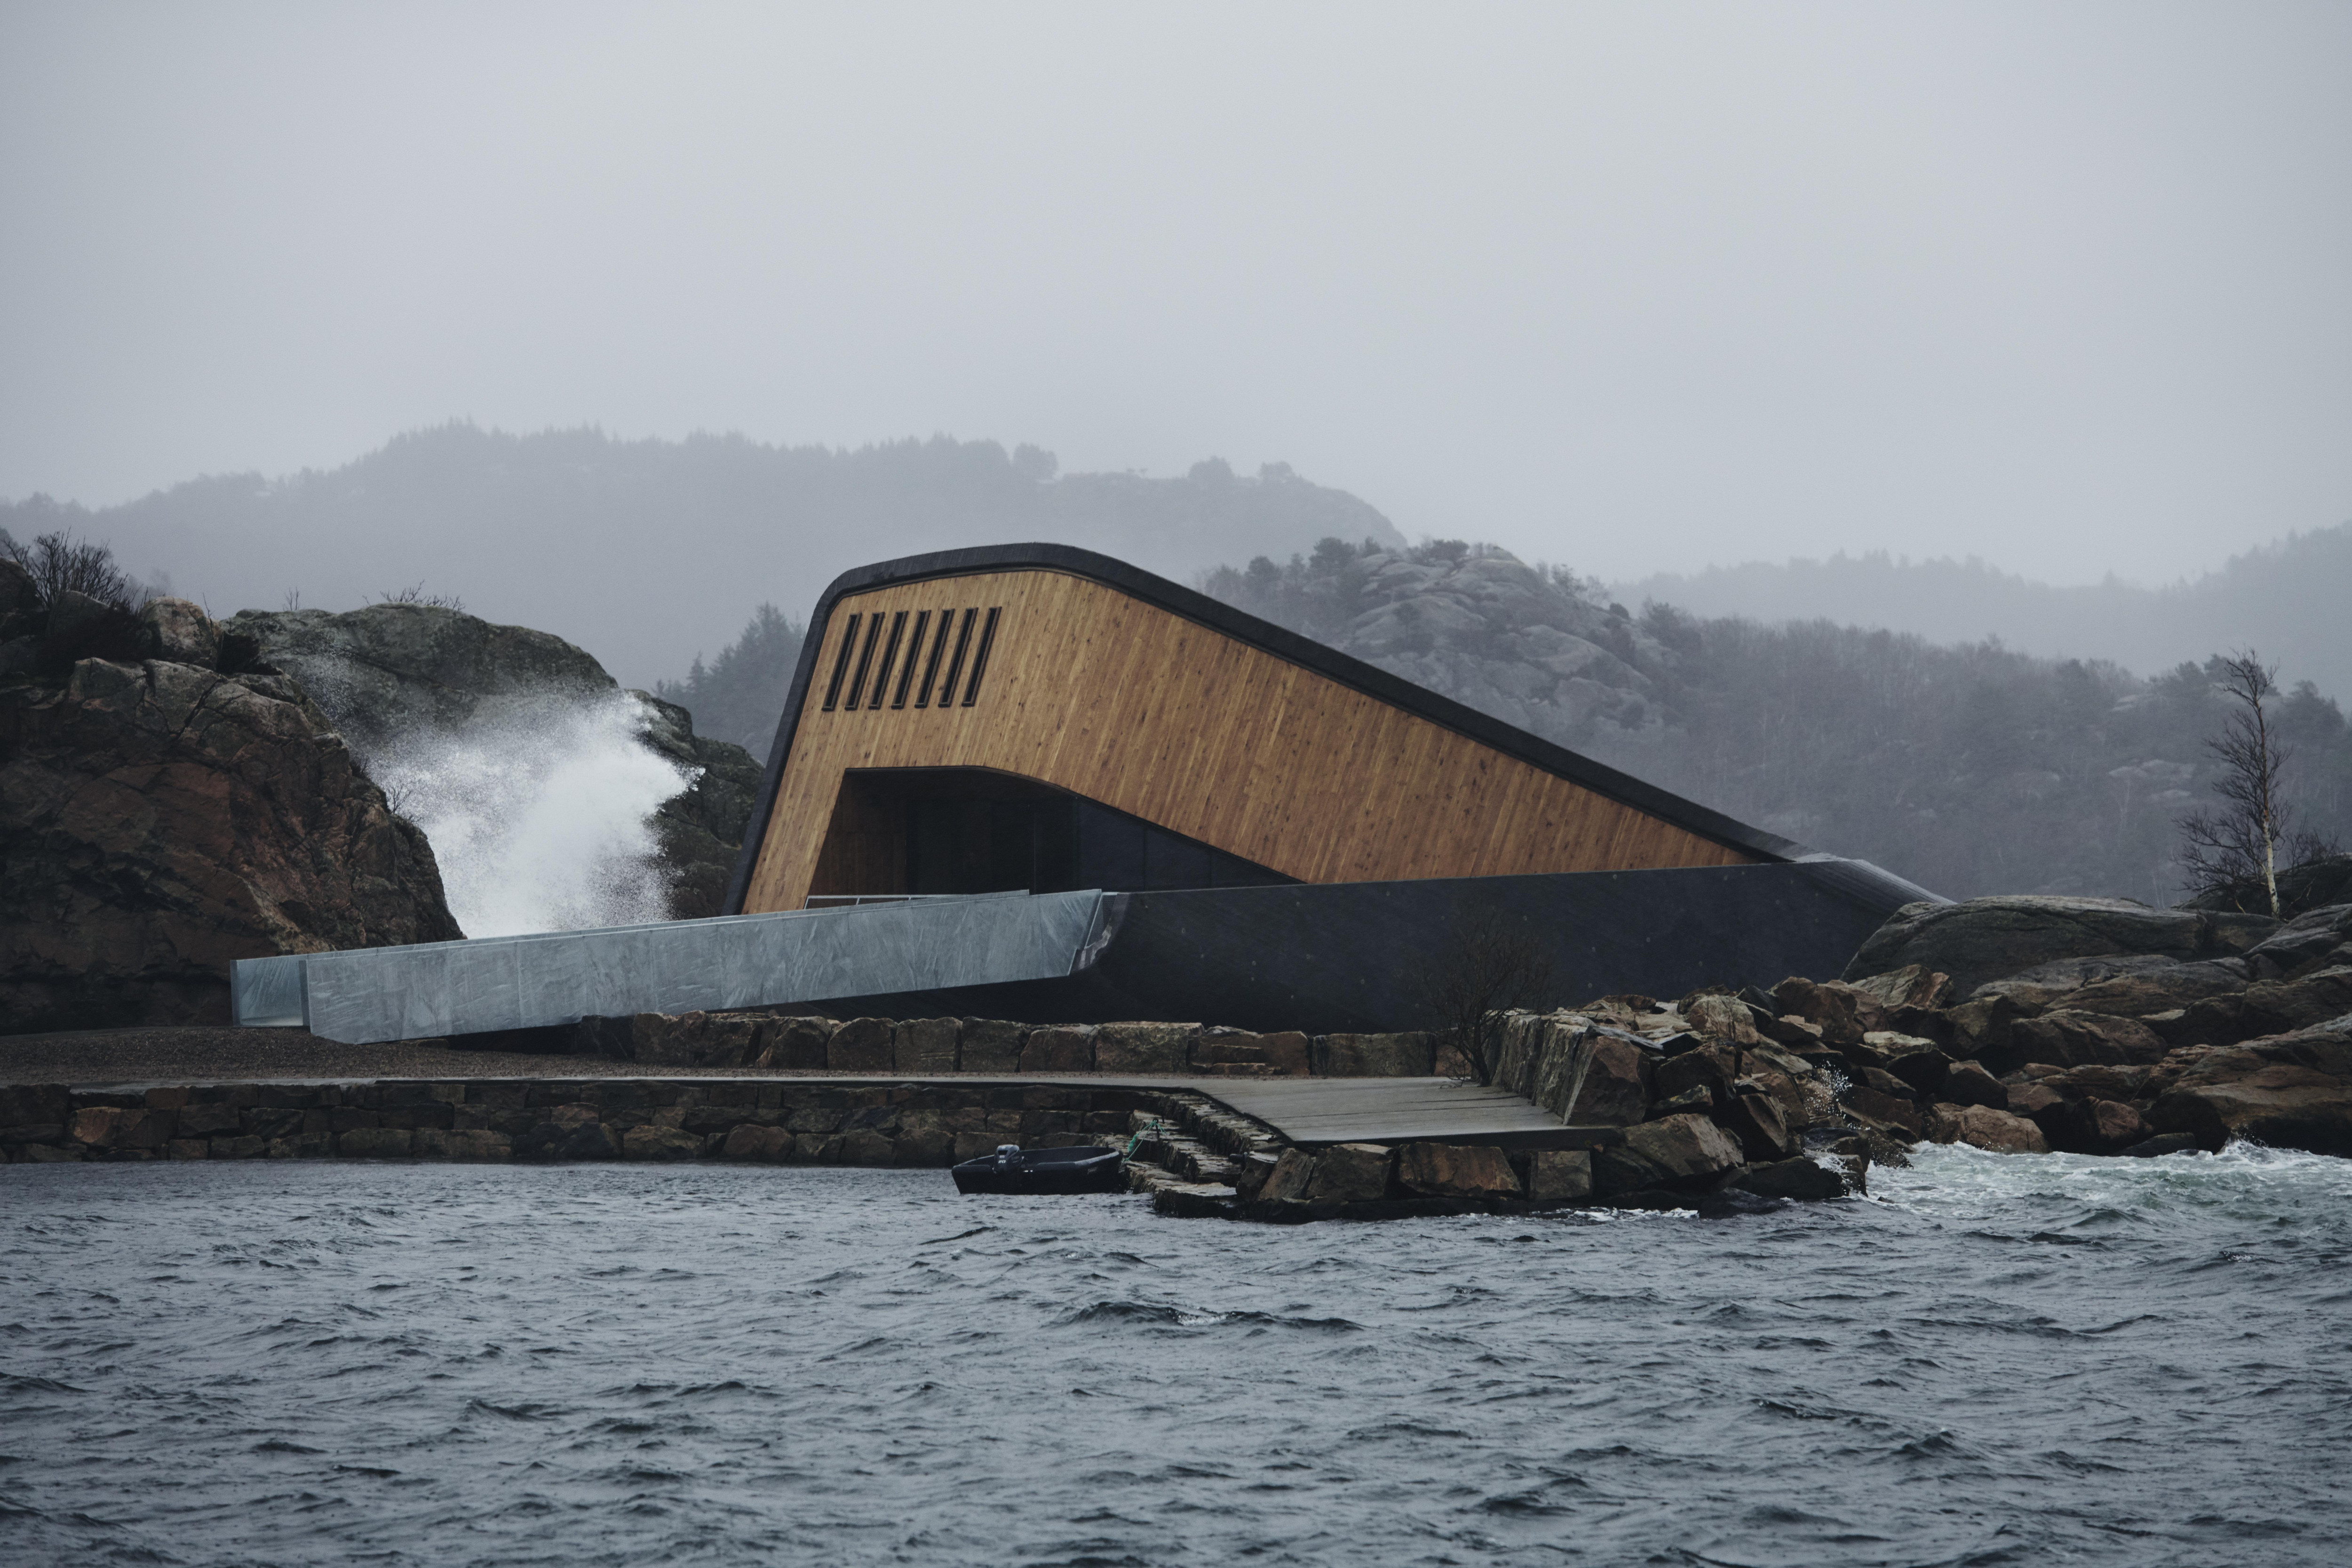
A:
[1088,1168]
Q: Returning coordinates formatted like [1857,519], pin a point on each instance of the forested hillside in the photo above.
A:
[645,553]
[1970,768]
[2289,596]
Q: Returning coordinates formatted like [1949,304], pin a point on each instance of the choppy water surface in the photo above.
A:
[2003,1360]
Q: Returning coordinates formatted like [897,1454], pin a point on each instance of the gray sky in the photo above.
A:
[1636,288]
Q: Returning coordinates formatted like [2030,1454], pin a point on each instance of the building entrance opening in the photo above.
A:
[970,830]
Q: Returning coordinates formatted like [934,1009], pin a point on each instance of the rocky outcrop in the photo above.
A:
[390,673]
[1986,939]
[170,802]
[2211,1024]
[2291,1090]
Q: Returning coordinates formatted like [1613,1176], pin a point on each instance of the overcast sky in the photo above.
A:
[1633,287]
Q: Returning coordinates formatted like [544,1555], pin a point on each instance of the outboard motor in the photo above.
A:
[1008,1155]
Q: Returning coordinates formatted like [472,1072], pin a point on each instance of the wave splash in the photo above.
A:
[540,813]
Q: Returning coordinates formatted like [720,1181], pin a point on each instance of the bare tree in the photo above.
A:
[2235,849]
[60,563]
[1487,967]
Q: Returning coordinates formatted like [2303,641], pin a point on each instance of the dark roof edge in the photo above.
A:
[1219,616]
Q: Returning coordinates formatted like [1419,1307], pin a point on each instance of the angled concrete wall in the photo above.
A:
[439,989]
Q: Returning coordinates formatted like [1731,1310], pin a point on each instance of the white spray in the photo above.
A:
[540,814]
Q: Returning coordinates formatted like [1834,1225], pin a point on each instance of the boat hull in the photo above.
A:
[1042,1173]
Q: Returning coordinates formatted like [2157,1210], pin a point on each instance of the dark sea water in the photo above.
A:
[1999,1359]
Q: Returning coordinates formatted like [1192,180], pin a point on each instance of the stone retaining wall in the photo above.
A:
[576,1118]
[933,1045]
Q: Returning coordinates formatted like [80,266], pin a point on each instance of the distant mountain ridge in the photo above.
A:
[2287,599]
[648,551]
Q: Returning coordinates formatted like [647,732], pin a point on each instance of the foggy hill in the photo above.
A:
[646,553]
[1970,769]
[2286,598]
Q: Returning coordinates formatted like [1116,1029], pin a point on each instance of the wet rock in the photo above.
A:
[470,1145]
[1349,1172]
[1289,1053]
[1058,1050]
[990,1045]
[797,1045]
[865,1146]
[163,819]
[2304,943]
[1559,1175]
[115,1127]
[588,1140]
[1968,1083]
[1614,1089]
[1913,985]
[247,1146]
[1456,1170]
[2071,1039]
[1979,1030]
[1719,1017]
[207,1121]
[862,1044]
[1408,1055]
[1885,1110]
[28,1103]
[2158,988]
[1922,1068]
[926,1146]
[1985,939]
[1254,1170]
[660,1143]
[1982,1127]
[185,1148]
[359,1144]
[178,632]
[1144,1047]
[1842,1013]
[1618,1171]
[2163,1144]
[1708,1068]
[2290,1092]
[925,1045]
[1732,1203]
[2107,1127]
[1756,1124]
[1687,1149]
[1697,1097]
[2269,1008]
[1796,1178]
[1288,1180]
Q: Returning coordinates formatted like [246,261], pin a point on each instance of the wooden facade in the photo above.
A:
[1051,670]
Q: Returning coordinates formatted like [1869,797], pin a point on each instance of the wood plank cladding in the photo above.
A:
[1126,703]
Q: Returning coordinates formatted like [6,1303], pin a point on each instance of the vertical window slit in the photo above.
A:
[931,666]
[955,660]
[980,654]
[889,658]
[914,656]
[841,665]
[865,661]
